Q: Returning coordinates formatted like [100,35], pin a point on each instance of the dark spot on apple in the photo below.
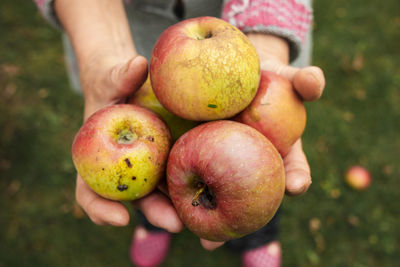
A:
[150,138]
[102,169]
[122,187]
[128,163]
[149,157]
[208,35]
[133,177]
[145,179]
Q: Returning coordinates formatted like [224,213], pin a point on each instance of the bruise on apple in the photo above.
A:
[122,187]
[254,115]
[128,163]
[150,138]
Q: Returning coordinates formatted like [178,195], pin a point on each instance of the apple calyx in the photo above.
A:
[204,196]
[199,33]
[126,137]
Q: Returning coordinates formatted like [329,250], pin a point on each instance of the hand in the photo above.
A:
[108,82]
[110,70]
[309,82]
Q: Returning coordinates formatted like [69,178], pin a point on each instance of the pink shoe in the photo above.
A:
[269,255]
[149,248]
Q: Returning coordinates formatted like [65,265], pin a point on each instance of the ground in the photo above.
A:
[357,121]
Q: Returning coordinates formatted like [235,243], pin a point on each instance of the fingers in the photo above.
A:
[119,81]
[298,177]
[309,82]
[159,212]
[210,245]
[129,76]
[101,211]
[156,207]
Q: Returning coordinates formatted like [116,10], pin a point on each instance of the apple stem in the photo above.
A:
[201,187]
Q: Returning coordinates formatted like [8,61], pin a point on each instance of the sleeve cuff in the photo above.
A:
[46,7]
[289,19]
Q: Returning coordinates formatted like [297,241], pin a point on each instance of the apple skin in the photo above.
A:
[121,151]
[145,97]
[204,69]
[241,171]
[357,177]
[276,111]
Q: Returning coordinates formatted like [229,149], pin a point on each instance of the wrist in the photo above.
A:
[270,47]
[98,29]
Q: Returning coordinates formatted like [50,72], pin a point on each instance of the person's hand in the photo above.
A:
[309,82]
[106,82]
[110,71]
[111,83]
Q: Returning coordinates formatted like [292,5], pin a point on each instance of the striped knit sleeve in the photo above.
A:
[289,19]
[46,7]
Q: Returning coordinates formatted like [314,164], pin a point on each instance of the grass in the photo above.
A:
[356,122]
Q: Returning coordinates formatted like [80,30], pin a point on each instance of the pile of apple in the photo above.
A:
[231,122]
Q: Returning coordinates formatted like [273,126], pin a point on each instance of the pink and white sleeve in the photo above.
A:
[289,19]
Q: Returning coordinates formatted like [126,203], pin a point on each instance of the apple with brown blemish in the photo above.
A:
[276,111]
[225,179]
[121,151]
[204,69]
[145,97]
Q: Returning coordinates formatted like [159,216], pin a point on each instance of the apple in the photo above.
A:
[357,177]
[145,97]
[276,111]
[204,69]
[225,180]
[121,151]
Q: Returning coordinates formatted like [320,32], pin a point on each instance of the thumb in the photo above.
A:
[128,77]
[309,82]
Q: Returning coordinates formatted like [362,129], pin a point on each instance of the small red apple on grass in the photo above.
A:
[121,151]
[145,97]
[357,177]
[225,180]
[204,69]
[276,111]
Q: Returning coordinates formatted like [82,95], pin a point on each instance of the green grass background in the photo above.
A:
[357,121]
